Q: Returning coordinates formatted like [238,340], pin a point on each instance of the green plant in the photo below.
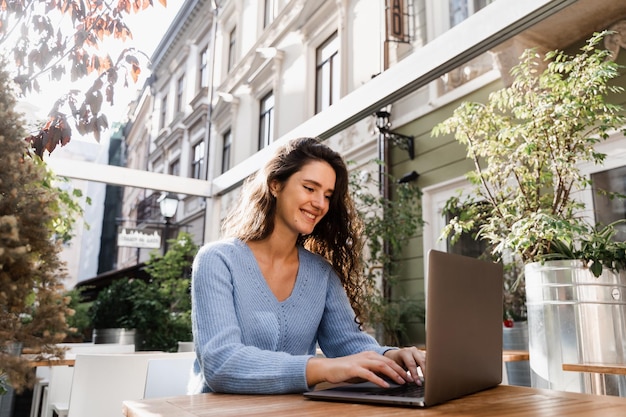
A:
[527,144]
[388,225]
[171,274]
[79,322]
[159,309]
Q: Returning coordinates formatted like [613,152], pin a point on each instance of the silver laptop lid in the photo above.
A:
[463,326]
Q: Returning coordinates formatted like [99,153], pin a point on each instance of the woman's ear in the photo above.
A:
[274,187]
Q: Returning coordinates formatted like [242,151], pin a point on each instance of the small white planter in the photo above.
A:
[574,317]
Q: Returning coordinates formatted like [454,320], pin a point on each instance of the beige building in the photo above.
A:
[233,79]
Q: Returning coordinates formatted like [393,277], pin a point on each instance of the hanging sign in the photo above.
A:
[139,238]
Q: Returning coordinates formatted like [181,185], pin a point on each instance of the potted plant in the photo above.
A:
[153,314]
[527,144]
[112,313]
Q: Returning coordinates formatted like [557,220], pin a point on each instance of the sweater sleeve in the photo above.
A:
[224,363]
[339,334]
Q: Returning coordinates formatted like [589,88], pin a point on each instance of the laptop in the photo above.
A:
[463,337]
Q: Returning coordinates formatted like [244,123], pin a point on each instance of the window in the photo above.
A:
[606,209]
[227,140]
[327,73]
[203,75]
[270,12]
[197,163]
[266,120]
[232,44]
[174,168]
[462,9]
[180,89]
[162,121]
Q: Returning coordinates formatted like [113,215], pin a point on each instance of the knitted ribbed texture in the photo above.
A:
[247,341]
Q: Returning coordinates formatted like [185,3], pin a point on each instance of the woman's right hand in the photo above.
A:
[364,366]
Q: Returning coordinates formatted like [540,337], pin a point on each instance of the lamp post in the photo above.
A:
[168,203]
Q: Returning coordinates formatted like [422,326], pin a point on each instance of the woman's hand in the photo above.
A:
[364,366]
[409,358]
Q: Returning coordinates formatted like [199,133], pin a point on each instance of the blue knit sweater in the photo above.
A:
[247,341]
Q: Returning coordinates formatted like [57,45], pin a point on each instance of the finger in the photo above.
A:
[420,360]
[412,358]
[396,372]
[374,378]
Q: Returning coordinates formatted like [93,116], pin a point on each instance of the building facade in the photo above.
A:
[233,79]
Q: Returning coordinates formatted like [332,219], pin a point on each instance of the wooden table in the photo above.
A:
[600,378]
[515,355]
[600,368]
[35,361]
[501,401]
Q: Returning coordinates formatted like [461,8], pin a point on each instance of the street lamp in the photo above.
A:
[168,203]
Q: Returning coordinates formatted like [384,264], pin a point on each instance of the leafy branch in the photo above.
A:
[28,35]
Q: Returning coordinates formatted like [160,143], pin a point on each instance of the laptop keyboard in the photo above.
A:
[406,390]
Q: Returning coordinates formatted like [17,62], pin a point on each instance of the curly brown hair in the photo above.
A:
[337,237]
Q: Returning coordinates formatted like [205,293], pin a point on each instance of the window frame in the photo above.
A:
[173,167]
[163,113]
[266,120]
[180,93]
[232,46]
[227,141]
[203,68]
[270,11]
[197,160]
[327,65]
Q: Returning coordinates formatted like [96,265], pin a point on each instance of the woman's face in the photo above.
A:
[304,198]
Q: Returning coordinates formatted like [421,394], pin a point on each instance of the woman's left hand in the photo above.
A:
[410,358]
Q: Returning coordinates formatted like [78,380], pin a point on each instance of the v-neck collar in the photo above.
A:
[259,274]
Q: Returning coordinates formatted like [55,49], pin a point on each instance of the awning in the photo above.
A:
[92,286]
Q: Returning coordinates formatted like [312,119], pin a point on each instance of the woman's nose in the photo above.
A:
[319,200]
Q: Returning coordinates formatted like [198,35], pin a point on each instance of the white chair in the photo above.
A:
[40,391]
[102,381]
[56,395]
[168,377]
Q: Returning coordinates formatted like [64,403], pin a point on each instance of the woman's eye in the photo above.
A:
[308,188]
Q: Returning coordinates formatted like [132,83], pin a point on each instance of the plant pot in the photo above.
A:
[115,335]
[516,338]
[574,317]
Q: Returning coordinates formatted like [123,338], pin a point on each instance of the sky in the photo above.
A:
[148,28]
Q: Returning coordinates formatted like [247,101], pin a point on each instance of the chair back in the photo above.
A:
[168,377]
[103,381]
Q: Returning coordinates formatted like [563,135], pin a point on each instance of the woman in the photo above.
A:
[285,280]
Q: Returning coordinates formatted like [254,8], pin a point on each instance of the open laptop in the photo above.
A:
[463,337]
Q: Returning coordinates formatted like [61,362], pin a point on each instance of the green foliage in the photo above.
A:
[527,144]
[388,225]
[160,309]
[172,274]
[80,321]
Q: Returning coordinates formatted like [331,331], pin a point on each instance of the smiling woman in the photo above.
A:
[286,279]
